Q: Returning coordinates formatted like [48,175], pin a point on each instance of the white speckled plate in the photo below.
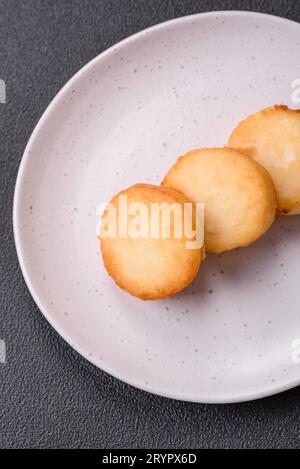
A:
[124,118]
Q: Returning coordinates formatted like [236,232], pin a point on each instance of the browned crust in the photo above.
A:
[218,247]
[284,205]
[171,195]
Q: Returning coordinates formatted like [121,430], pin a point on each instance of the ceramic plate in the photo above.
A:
[124,118]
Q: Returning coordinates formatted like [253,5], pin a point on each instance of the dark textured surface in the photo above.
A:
[49,395]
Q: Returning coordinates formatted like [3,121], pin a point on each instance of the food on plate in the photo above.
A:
[238,195]
[272,138]
[146,254]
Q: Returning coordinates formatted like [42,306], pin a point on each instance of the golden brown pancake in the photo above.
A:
[272,138]
[238,194]
[155,266]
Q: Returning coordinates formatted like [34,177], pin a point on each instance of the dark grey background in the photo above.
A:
[49,395]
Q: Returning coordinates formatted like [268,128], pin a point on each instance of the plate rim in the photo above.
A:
[204,399]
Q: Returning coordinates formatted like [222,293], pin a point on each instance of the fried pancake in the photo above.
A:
[272,138]
[149,265]
[238,194]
